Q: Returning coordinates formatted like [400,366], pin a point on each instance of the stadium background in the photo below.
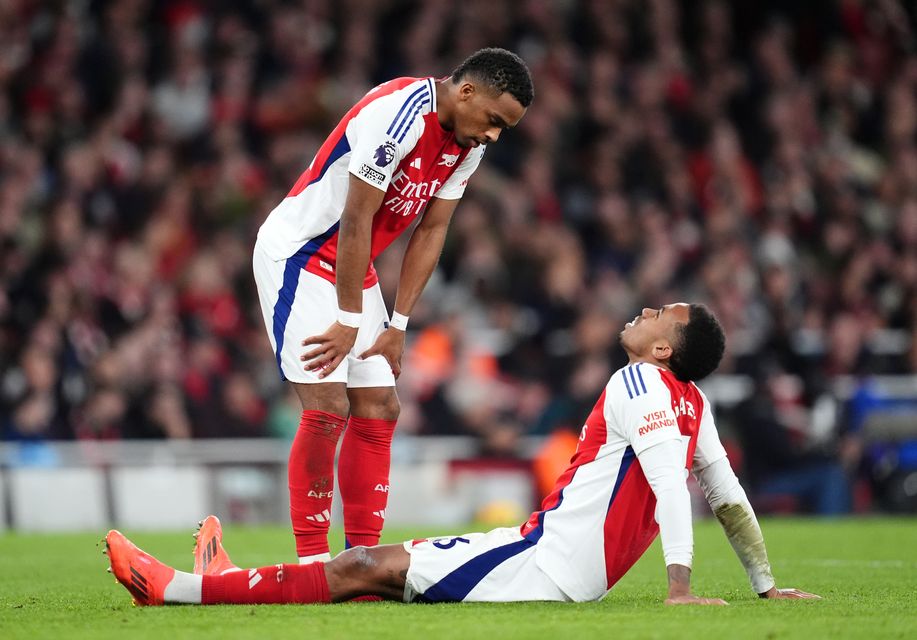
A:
[759,157]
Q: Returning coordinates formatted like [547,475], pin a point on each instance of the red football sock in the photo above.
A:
[311,479]
[277,584]
[366,456]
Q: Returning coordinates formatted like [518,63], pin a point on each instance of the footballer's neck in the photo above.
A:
[633,358]
[445,103]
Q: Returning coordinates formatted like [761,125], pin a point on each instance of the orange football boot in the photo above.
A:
[210,558]
[142,575]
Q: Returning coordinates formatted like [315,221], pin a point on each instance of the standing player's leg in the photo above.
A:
[379,571]
[365,461]
[310,470]
[296,304]
[363,467]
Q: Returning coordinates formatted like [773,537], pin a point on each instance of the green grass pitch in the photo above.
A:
[866,570]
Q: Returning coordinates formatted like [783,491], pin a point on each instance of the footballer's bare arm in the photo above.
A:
[420,258]
[354,241]
[353,251]
[680,588]
[423,253]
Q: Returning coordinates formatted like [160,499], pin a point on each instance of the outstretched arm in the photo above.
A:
[734,511]
[663,466]
[420,258]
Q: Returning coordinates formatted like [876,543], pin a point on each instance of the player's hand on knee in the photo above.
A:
[330,349]
[692,599]
[389,345]
[788,594]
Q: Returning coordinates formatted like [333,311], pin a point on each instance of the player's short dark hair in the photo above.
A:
[699,345]
[501,69]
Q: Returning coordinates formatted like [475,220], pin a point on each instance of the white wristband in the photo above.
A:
[349,318]
[399,321]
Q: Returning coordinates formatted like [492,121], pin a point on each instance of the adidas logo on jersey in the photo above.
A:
[415,164]
[324,516]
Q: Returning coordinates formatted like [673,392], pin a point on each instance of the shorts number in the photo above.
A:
[451,543]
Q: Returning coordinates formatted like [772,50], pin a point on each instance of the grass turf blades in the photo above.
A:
[866,570]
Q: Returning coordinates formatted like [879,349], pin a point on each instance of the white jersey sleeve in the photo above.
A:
[454,188]
[641,406]
[709,449]
[384,132]
[664,467]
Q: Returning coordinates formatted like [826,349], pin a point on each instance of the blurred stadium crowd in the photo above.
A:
[760,157]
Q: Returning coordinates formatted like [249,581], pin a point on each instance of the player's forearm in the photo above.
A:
[420,259]
[354,243]
[735,513]
[741,527]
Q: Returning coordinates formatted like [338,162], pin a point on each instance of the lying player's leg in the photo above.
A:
[351,575]
[378,571]
[374,571]
[497,566]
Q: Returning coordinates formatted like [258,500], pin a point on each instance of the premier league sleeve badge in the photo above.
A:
[384,154]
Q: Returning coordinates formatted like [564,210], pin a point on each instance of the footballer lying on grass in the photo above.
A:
[625,483]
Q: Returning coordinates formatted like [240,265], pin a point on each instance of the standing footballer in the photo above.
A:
[403,152]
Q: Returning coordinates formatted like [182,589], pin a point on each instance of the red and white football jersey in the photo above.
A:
[390,139]
[600,517]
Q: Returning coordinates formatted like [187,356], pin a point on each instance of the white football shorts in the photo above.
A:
[498,566]
[297,304]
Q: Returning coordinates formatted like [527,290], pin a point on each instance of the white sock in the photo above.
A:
[318,557]
[185,588]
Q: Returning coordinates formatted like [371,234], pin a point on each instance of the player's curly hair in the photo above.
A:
[501,69]
[699,345]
